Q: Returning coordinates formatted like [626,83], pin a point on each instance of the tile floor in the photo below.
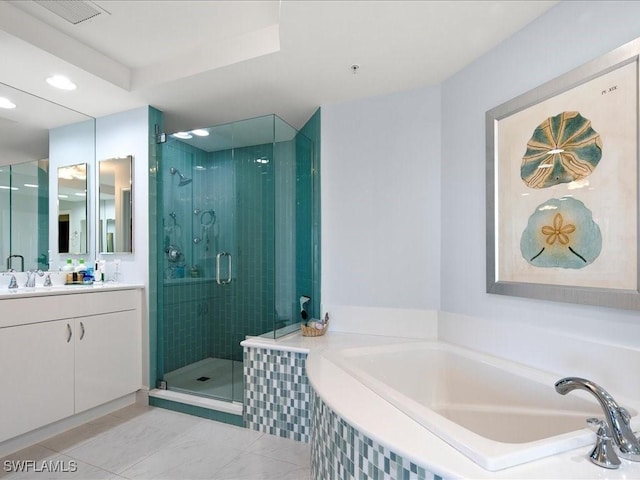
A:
[141,442]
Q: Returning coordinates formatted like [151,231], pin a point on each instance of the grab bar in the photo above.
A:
[229,279]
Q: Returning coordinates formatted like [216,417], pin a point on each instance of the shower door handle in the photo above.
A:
[218,279]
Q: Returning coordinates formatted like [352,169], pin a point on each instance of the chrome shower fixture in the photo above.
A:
[183,180]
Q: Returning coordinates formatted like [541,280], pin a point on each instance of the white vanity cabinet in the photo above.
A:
[107,358]
[64,354]
[36,376]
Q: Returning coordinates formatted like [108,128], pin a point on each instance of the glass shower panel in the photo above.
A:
[229,203]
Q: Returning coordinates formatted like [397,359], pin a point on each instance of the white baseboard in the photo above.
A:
[35,436]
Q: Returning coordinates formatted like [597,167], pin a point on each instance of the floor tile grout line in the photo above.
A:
[134,417]
[280,459]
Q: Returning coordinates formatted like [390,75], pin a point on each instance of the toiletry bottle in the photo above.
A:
[97,274]
[81,270]
[81,267]
[68,268]
[103,269]
[88,276]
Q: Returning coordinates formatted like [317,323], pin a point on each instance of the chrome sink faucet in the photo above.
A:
[31,277]
[12,282]
[616,417]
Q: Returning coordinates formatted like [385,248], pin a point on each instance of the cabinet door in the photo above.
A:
[108,357]
[36,376]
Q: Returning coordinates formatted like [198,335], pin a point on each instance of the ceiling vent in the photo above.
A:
[73,11]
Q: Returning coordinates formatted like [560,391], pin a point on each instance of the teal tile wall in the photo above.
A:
[156,355]
[286,312]
[188,308]
[186,302]
[304,221]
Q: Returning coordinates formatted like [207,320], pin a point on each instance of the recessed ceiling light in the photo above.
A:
[61,82]
[6,103]
[200,132]
[183,135]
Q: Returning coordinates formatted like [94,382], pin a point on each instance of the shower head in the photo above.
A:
[183,180]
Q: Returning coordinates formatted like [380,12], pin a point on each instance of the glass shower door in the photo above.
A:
[217,203]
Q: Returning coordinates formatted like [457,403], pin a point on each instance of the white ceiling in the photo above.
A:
[206,63]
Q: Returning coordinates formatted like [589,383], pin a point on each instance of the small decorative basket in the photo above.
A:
[312,331]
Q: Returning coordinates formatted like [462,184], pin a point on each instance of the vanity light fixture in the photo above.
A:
[30,185]
[4,187]
[62,195]
[61,82]
[6,103]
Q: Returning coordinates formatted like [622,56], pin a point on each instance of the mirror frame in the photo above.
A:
[123,206]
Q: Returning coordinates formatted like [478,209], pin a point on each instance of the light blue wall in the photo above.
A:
[569,35]
[71,145]
[380,214]
[119,135]
[403,208]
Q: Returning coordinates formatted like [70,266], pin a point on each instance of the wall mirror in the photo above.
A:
[35,139]
[115,205]
[72,209]
[24,215]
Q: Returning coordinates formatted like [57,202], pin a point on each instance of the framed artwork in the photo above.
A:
[562,187]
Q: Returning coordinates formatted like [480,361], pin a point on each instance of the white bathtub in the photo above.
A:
[497,413]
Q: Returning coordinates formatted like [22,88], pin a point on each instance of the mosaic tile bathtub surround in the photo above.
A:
[277,393]
[339,451]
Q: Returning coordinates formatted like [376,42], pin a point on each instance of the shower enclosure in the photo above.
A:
[234,213]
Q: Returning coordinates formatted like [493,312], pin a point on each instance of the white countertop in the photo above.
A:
[40,291]
[382,422]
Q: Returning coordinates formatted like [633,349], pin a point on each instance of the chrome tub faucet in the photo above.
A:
[617,419]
